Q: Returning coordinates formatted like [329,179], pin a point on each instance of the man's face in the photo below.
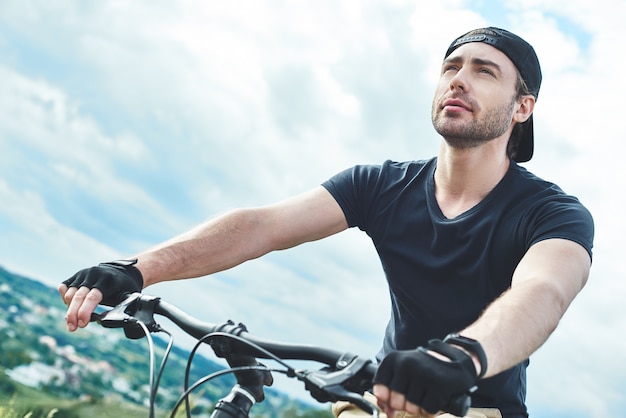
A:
[475,98]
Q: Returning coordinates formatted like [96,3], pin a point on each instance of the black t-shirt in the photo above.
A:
[442,273]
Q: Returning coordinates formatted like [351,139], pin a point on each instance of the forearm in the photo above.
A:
[213,246]
[242,235]
[517,323]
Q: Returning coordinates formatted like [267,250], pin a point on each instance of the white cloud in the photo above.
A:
[36,244]
[122,124]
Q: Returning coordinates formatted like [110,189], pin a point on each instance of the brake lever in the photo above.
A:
[135,308]
[331,385]
[118,316]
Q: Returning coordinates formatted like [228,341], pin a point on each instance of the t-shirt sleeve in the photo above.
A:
[564,217]
[353,189]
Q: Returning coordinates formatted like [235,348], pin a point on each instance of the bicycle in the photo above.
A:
[345,376]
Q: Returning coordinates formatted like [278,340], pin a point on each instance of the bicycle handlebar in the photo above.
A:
[346,377]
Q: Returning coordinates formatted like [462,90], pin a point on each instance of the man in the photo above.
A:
[482,257]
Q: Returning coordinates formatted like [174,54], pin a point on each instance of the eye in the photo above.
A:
[450,67]
[484,70]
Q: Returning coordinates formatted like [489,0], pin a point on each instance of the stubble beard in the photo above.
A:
[473,133]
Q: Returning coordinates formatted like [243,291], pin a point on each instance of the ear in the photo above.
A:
[526,106]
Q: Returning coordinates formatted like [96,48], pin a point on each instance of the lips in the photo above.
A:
[455,103]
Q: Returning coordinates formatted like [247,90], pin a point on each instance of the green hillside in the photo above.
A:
[46,371]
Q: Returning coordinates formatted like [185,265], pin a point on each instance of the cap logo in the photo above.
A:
[475,38]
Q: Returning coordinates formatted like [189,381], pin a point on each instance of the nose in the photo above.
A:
[459,81]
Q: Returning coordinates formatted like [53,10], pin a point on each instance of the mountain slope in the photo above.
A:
[96,364]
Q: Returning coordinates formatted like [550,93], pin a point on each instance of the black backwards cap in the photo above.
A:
[523,56]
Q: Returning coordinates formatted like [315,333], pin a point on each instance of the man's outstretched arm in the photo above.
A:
[218,244]
[515,325]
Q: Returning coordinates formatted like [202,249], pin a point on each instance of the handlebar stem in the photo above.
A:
[236,404]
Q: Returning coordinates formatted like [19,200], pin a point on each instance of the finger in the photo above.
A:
[90,302]
[382,392]
[388,411]
[68,295]
[413,409]
[423,413]
[62,290]
[397,401]
[81,304]
[74,302]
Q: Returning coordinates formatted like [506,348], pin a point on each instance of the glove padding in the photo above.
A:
[115,280]
[425,380]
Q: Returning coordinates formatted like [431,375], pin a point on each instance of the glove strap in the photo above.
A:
[127,266]
[122,263]
[472,346]
[454,354]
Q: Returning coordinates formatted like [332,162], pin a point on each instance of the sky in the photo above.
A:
[125,123]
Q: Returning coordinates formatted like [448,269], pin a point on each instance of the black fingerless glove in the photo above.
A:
[115,279]
[433,384]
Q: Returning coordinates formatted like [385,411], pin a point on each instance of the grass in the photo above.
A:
[22,408]
[27,402]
